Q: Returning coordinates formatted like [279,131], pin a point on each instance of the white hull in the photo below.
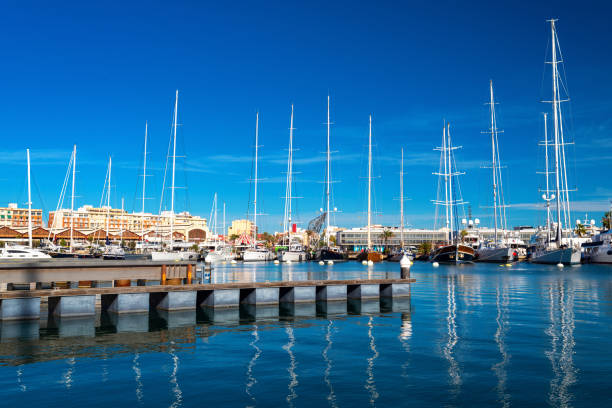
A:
[18,252]
[257,255]
[567,256]
[494,254]
[601,254]
[293,256]
[213,257]
[174,256]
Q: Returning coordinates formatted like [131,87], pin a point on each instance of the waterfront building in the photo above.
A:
[356,239]
[240,227]
[14,217]
[88,219]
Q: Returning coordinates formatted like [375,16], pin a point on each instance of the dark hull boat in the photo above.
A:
[331,254]
[369,256]
[453,254]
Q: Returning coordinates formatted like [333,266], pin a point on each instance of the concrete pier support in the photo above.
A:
[72,306]
[260,296]
[130,322]
[178,318]
[395,289]
[331,293]
[219,298]
[11,330]
[298,309]
[20,309]
[82,326]
[363,291]
[259,312]
[179,300]
[364,306]
[218,315]
[326,309]
[126,303]
[298,294]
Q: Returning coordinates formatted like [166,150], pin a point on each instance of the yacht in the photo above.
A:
[555,249]
[599,250]
[113,252]
[220,253]
[17,252]
[170,254]
[295,251]
[257,254]
[452,251]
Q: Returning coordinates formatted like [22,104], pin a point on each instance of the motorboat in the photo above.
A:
[17,252]
[599,250]
[257,254]
[113,252]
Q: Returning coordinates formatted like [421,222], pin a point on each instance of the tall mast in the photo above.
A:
[555,103]
[29,202]
[121,224]
[450,184]
[108,194]
[370,186]
[72,197]
[493,157]
[255,195]
[328,178]
[144,181]
[224,221]
[402,200]
[446,181]
[288,192]
[547,193]
[173,173]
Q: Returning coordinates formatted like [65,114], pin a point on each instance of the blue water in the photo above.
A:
[474,335]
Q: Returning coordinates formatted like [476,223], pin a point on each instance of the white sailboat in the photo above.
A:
[220,250]
[169,254]
[295,250]
[497,250]
[256,253]
[329,252]
[402,253]
[369,254]
[20,251]
[556,250]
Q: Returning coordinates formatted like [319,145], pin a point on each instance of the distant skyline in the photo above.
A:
[93,74]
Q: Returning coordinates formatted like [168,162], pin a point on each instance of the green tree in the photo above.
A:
[463,234]
[332,240]
[385,235]
[234,237]
[62,242]
[424,248]
[606,220]
[580,230]
[132,245]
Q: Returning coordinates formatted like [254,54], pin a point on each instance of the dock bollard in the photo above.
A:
[405,265]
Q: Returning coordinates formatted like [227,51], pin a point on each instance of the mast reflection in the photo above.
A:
[561,332]
[20,384]
[331,397]
[448,350]
[67,376]
[251,380]
[176,389]
[292,365]
[370,382]
[502,302]
[137,376]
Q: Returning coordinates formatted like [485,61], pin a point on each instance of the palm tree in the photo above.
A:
[580,230]
[424,248]
[385,235]
[606,220]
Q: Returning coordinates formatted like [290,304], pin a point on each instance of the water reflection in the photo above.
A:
[293,382]
[137,377]
[561,332]
[20,384]
[176,389]
[251,380]
[370,382]
[331,396]
[68,373]
[448,351]
[502,301]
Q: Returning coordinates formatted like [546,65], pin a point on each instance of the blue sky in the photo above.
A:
[92,74]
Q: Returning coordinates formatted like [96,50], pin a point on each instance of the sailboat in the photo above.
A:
[295,250]
[555,250]
[369,254]
[452,252]
[399,254]
[111,251]
[256,253]
[169,254]
[497,250]
[20,251]
[220,250]
[329,252]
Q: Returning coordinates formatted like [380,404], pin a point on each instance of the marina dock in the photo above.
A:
[150,292]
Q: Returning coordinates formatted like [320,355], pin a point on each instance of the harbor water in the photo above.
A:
[470,335]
